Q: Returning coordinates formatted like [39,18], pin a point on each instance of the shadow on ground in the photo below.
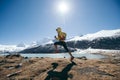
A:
[63,75]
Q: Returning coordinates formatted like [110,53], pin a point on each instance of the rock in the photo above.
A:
[12,55]
[25,57]
[83,58]
[19,65]
[13,74]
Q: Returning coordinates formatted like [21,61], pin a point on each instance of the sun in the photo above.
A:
[63,7]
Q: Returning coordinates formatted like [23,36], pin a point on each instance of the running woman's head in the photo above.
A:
[58,29]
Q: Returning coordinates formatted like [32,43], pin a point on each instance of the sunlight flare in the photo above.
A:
[63,7]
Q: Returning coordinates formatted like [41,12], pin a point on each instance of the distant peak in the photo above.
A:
[99,34]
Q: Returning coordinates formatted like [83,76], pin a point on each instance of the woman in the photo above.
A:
[61,41]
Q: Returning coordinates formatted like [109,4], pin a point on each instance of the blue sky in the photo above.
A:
[32,20]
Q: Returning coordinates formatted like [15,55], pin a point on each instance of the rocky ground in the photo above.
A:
[16,67]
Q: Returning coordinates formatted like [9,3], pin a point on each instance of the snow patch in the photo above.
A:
[100,34]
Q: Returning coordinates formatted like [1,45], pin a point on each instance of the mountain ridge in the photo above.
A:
[104,39]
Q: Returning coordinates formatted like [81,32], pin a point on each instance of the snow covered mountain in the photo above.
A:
[22,46]
[112,34]
[97,35]
[89,37]
[44,41]
[11,48]
[104,39]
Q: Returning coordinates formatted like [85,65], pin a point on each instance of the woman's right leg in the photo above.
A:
[65,47]
[55,45]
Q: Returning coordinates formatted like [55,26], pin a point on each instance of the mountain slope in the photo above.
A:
[49,48]
[11,48]
[104,39]
[101,43]
[100,34]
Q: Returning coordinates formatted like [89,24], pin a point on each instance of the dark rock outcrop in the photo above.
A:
[49,48]
[99,43]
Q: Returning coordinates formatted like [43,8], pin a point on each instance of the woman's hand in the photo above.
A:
[55,37]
